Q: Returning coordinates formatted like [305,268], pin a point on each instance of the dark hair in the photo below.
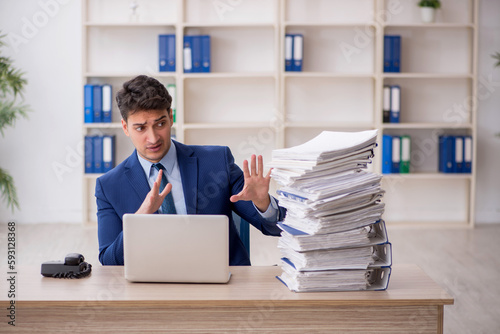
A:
[142,93]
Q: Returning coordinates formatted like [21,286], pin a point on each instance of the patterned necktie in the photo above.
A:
[167,206]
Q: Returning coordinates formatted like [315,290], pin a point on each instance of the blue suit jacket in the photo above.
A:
[209,178]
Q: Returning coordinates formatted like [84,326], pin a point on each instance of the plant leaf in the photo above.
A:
[10,112]
[8,190]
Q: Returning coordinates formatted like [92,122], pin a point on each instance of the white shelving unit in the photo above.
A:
[251,104]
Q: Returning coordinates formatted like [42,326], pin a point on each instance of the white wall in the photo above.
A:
[48,49]
[43,153]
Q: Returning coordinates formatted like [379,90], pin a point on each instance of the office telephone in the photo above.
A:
[72,267]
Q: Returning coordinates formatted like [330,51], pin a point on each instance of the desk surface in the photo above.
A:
[408,285]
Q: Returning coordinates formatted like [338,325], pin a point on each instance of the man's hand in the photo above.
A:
[154,199]
[256,188]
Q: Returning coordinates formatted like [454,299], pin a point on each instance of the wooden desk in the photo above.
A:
[253,301]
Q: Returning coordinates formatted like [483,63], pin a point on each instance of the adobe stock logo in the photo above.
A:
[31,27]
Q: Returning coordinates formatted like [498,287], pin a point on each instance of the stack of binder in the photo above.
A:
[294,50]
[392,53]
[99,154]
[97,103]
[396,154]
[166,57]
[196,53]
[333,236]
[455,154]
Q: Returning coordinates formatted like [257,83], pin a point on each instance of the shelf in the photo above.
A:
[429,25]
[224,75]
[128,75]
[231,25]
[328,75]
[251,104]
[428,176]
[333,125]
[129,24]
[428,75]
[113,125]
[467,126]
[256,125]
[329,24]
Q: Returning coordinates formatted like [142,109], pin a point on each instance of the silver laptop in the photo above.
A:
[176,248]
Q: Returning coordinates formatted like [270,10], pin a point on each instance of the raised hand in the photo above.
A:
[154,198]
[256,188]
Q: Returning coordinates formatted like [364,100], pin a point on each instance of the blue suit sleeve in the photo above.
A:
[109,230]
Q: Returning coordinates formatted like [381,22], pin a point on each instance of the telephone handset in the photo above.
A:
[72,267]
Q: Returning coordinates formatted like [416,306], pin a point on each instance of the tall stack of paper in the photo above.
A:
[333,234]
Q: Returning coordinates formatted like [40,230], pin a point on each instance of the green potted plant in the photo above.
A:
[428,9]
[12,84]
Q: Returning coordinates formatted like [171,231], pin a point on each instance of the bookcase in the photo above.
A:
[250,103]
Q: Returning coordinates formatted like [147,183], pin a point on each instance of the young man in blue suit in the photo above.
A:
[201,179]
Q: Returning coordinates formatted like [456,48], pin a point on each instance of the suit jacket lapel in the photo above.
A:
[135,174]
[188,165]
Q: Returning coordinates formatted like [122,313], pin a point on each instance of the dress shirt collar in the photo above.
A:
[168,161]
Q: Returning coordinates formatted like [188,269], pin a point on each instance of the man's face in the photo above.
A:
[150,133]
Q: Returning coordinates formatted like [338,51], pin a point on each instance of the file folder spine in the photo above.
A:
[107,102]
[395,103]
[88,93]
[387,53]
[170,53]
[396,154]
[458,166]
[162,52]
[396,54]
[467,154]
[205,54]
[196,53]
[97,103]
[108,153]
[188,54]
[386,154]
[386,108]
[446,154]
[98,167]
[298,50]
[171,88]
[89,158]
[288,52]
[405,154]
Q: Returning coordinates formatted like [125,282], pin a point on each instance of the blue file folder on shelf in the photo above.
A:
[392,53]
[288,52]
[108,153]
[298,51]
[98,167]
[396,54]
[89,157]
[446,154]
[396,153]
[188,54]
[467,154]
[88,93]
[205,54]
[196,53]
[97,103]
[387,53]
[107,103]
[395,104]
[458,166]
[386,154]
